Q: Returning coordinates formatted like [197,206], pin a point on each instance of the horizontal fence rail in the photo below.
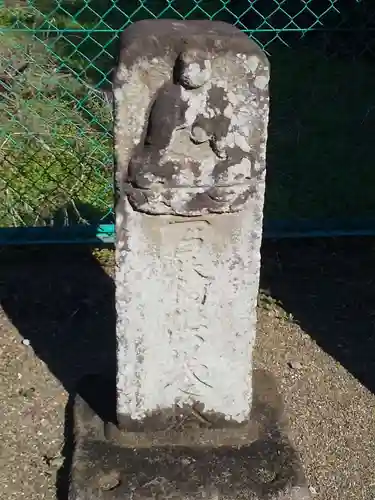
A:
[56,164]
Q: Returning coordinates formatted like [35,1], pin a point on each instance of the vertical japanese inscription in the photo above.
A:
[194,273]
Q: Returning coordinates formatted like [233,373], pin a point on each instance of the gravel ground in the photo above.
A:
[316,333]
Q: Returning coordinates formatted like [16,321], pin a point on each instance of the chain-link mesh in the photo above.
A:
[56,113]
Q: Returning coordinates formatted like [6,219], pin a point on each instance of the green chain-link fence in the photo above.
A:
[56,113]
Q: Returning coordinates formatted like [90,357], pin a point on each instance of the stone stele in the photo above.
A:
[193,419]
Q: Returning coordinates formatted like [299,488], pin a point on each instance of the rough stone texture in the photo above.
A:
[259,463]
[191,103]
[186,298]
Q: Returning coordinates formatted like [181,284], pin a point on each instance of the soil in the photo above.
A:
[316,333]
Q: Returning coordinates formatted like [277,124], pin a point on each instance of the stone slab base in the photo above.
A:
[253,462]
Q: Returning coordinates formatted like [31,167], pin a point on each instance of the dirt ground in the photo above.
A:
[316,333]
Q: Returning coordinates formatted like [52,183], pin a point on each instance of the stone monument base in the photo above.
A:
[252,462]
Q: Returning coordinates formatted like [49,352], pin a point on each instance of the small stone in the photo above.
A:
[27,393]
[53,461]
[110,481]
[313,490]
[26,342]
[56,462]
[295,365]
[187,461]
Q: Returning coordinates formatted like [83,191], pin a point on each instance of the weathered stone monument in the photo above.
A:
[193,419]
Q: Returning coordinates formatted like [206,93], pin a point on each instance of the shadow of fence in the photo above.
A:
[329,287]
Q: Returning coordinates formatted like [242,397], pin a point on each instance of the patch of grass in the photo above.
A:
[105,256]
[55,139]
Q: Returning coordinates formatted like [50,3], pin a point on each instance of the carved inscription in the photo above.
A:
[194,273]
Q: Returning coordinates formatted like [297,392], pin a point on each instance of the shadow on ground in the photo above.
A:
[329,288]
[63,302]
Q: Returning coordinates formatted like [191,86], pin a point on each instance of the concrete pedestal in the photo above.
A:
[254,462]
